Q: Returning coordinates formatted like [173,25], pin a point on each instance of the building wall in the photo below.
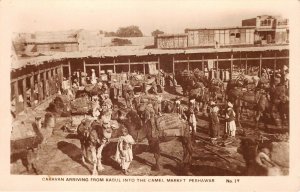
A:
[57,47]
[201,37]
[209,37]
[269,30]
[55,36]
[171,42]
[265,21]
[249,22]
[90,39]
[281,36]
[94,40]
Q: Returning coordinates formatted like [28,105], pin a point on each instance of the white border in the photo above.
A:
[9,22]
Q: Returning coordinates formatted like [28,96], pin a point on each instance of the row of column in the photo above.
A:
[40,87]
[231,62]
[114,64]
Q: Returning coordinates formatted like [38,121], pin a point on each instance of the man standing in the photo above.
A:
[124,88]
[192,121]
[124,153]
[83,79]
[154,88]
[179,109]
[192,104]
[107,104]
[114,91]
[285,76]
[105,88]
[128,94]
[93,77]
[157,105]
[150,119]
[213,121]
[95,106]
[230,123]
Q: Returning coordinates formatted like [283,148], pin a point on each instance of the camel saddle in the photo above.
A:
[169,125]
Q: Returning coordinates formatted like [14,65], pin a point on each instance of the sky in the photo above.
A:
[168,16]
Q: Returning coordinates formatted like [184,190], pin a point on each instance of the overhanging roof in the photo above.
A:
[133,51]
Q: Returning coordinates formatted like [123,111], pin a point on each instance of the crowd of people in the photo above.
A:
[111,92]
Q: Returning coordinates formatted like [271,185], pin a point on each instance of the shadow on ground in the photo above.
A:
[72,151]
[110,150]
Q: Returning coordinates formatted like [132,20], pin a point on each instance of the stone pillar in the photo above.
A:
[40,87]
[32,89]
[24,92]
[16,91]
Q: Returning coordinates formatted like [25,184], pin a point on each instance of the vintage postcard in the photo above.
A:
[149,95]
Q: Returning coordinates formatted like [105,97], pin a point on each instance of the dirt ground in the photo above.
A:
[60,153]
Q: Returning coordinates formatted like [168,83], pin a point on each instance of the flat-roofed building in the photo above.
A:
[172,41]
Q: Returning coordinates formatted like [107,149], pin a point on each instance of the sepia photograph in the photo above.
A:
[183,92]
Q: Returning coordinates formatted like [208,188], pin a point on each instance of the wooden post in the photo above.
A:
[202,64]
[24,92]
[129,70]
[158,61]
[240,59]
[144,68]
[246,67]
[50,91]
[60,76]
[55,72]
[99,69]
[70,74]
[16,91]
[40,90]
[260,64]
[114,66]
[275,63]
[84,66]
[60,73]
[55,80]
[188,58]
[45,87]
[49,83]
[32,89]
[231,65]
[160,78]
[217,66]
[173,65]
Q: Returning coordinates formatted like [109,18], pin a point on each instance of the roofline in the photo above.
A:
[221,28]
[57,42]
[144,52]
[173,35]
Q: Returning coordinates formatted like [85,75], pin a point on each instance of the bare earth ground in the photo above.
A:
[60,153]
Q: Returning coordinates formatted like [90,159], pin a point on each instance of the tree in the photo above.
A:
[130,31]
[120,42]
[109,34]
[157,32]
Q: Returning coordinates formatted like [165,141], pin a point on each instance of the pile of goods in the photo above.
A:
[81,106]
[60,106]
[24,136]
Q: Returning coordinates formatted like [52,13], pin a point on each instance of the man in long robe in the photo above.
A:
[213,121]
[124,155]
[230,122]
